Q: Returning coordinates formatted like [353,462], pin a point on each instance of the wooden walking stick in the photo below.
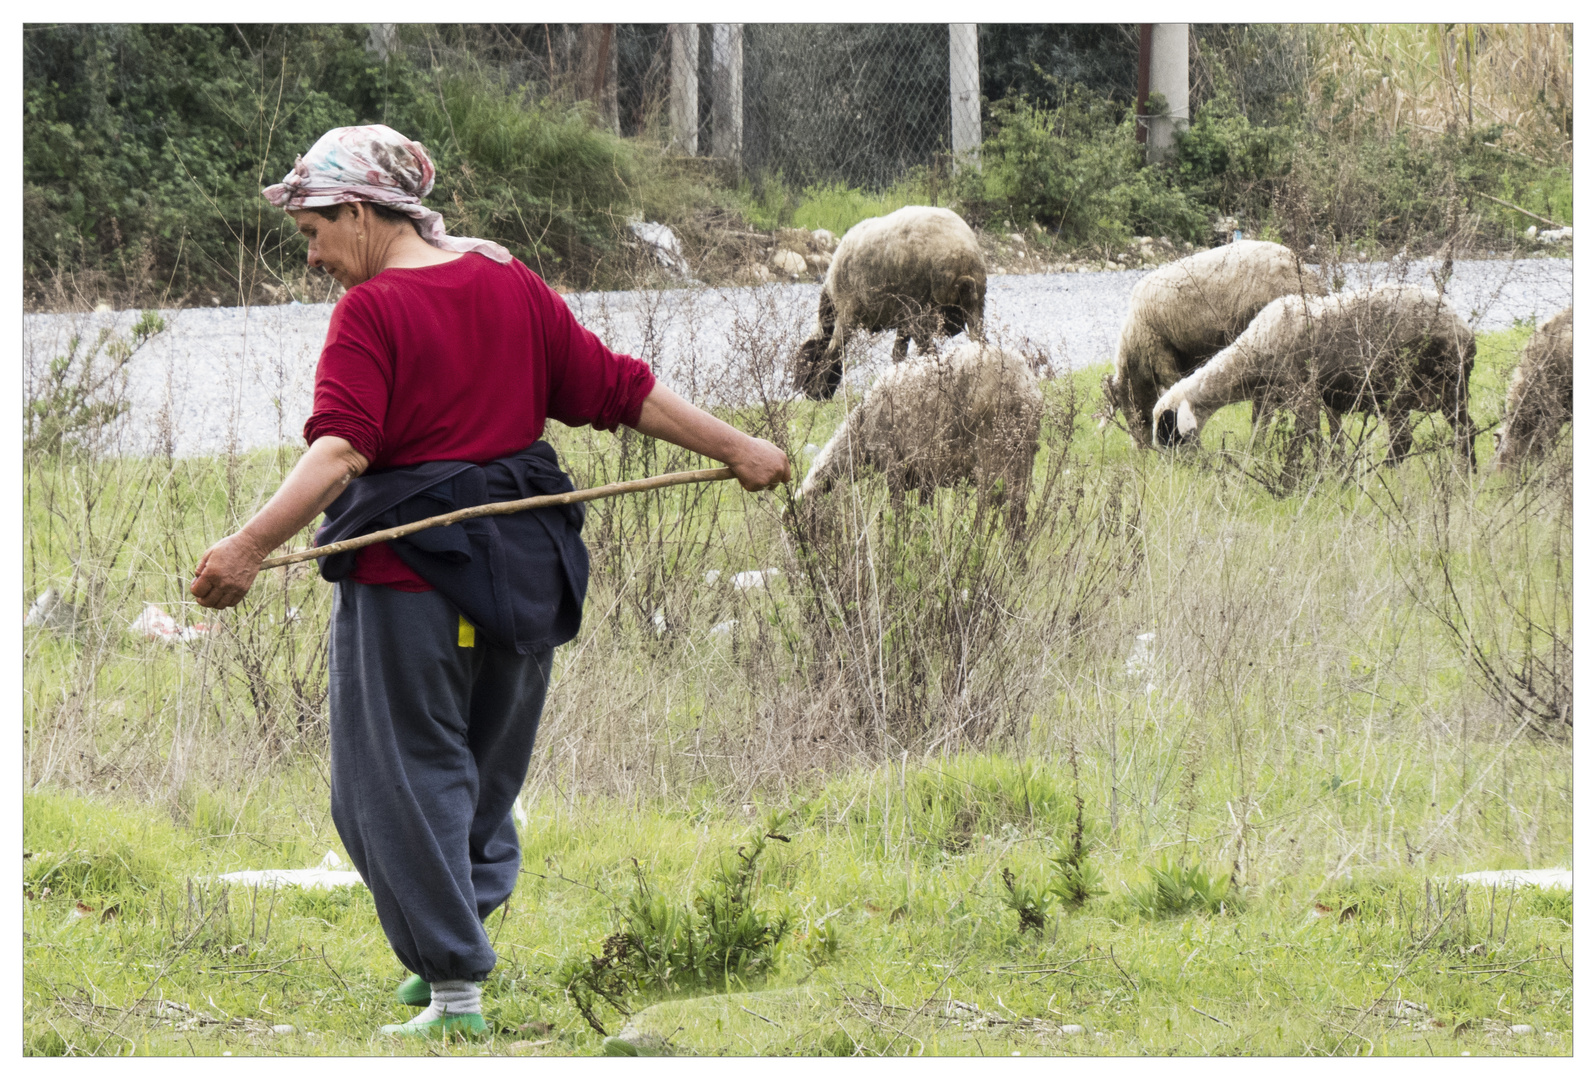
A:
[623,487]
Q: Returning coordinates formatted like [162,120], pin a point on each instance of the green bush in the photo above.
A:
[1173,888]
[722,936]
[1076,879]
[1225,161]
[146,146]
[1076,169]
[1028,899]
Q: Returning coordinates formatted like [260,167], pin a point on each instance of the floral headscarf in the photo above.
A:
[372,163]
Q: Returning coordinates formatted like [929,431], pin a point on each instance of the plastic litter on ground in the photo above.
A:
[330,873]
[1555,878]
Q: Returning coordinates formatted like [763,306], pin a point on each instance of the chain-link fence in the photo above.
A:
[856,104]
[859,104]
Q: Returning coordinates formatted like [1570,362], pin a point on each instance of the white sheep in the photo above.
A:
[1540,397]
[918,270]
[1183,313]
[50,611]
[972,414]
[1390,350]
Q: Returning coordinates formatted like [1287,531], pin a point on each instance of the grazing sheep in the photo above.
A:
[1540,397]
[1390,350]
[918,270]
[1183,313]
[973,414]
[50,611]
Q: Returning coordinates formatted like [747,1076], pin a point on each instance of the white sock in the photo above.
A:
[451,997]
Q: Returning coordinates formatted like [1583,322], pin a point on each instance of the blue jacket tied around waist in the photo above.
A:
[519,578]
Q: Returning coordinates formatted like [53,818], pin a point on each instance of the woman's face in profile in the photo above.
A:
[334,245]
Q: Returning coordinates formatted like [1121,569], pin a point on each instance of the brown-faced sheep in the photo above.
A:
[1390,350]
[917,270]
[1183,313]
[972,414]
[1540,397]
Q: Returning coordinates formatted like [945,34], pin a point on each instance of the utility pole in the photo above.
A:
[1168,75]
[964,92]
[726,103]
[684,87]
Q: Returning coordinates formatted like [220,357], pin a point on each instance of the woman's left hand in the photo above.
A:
[760,465]
[226,572]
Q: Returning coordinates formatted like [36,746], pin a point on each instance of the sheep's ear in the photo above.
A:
[1185,422]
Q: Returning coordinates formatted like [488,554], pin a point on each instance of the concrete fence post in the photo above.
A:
[726,104]
[684,87]
[1169,75]
[382,39]
[964,92]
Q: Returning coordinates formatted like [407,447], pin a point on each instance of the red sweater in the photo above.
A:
[460,362]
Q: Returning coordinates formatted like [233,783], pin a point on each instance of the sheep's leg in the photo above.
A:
[1260,411]
[1401,424]
[1340,447]
[1455,400]
[1017,489]
[1304,435]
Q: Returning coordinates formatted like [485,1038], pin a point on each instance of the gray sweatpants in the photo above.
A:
[431,739]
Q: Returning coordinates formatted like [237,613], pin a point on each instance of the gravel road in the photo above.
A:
[221,377]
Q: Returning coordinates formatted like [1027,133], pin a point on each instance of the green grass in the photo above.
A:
[1309,728]
[917,917]
[771,203]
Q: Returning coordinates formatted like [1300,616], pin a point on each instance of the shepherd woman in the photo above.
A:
[444,359]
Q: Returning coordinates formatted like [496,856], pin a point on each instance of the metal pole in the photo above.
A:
[964,91]
[684,87]
[1171,77]
[1144,63]
[726,106]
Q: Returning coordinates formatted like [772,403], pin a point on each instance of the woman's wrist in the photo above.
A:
[738,448]
[256,545]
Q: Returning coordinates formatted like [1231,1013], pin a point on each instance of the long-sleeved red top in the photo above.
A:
[463,361]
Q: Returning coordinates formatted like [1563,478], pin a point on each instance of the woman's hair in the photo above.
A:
[386,213]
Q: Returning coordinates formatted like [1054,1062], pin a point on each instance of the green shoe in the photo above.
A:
[471,1025]
[415,991]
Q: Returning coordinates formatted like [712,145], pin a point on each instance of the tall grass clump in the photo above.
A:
[722,937]
[543,178]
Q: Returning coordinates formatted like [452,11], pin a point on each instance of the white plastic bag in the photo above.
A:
[154,624]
